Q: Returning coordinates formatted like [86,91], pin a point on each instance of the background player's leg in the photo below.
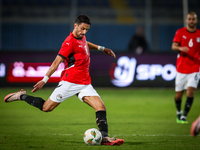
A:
[189,101]
[178,101]
[190,91]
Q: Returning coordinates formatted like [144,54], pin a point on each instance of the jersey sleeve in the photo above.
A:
[66,49]
[177,37]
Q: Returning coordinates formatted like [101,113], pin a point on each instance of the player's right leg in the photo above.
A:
[38,102]
[49,105]
[14,96]
[180,81]
[195,128]
[178,101]
[60,93]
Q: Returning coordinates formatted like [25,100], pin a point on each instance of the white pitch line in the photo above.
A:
[116,135]
[149,135]
[63,134]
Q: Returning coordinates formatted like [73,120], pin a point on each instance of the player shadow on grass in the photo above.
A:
[125,143]
[68,141]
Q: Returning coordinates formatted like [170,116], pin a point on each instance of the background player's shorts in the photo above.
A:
[66,89]
[183,81]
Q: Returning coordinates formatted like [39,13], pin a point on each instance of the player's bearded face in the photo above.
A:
[191,21]
[81,29]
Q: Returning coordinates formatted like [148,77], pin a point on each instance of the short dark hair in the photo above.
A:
[192,13]
[83,19]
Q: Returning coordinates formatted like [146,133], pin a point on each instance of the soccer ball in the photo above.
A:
[92,137]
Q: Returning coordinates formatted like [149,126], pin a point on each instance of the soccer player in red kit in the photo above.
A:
[195,127]
[75,78]
[187,42]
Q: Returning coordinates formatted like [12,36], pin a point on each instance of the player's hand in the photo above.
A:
[109,52]
[184,49]
[38,86]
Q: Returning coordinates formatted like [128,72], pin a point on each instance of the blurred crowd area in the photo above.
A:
[42,25]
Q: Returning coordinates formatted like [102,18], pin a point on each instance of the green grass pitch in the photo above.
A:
[144,118]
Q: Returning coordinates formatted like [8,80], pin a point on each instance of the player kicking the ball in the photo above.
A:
[74,80]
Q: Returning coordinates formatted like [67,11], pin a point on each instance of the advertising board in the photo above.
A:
[127,70]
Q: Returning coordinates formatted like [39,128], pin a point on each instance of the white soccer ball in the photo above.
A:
[92,137]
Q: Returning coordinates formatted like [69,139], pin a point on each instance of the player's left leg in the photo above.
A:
[188,104]
[192,83]
[101,120]
[92,98]
[95,102]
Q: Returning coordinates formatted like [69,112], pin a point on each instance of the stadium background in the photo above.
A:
[32,31]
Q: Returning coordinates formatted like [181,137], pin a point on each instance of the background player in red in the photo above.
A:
[195,127]
[75,78]
[187,42]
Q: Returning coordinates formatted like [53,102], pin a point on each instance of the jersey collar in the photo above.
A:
[75,37]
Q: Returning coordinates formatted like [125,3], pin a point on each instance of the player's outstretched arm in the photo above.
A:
[101,48]
[50,71]
[109,52]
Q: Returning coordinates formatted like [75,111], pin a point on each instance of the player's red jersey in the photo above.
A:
[77,60]
[188,62]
